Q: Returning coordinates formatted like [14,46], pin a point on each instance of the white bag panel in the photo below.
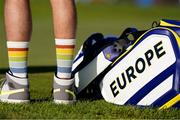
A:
[91,71]
[157,92]
[157,66]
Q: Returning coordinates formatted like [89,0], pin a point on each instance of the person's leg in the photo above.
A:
[18,27]
[64,20]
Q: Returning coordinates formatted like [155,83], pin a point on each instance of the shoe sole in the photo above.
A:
[14,101]
[65,102]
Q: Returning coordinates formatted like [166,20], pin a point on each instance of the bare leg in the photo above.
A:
[18,25]
[64,18]
[18,21]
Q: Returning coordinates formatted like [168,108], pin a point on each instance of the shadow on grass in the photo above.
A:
[78,98]
[41,100]
[35,69]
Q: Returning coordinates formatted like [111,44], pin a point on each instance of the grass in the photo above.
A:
[108,19]
[42,106]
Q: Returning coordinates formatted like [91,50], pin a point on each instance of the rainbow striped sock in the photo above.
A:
[17,54]
[64,53]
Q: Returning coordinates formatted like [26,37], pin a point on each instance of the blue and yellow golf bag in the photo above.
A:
[138,68]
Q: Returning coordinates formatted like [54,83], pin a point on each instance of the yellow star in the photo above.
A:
[108,55]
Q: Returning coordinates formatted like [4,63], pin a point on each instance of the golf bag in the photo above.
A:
[138,68]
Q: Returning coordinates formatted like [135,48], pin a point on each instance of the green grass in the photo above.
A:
[108,19]
[43,107]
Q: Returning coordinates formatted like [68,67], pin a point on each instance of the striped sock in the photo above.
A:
[64,53]
[17,54]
